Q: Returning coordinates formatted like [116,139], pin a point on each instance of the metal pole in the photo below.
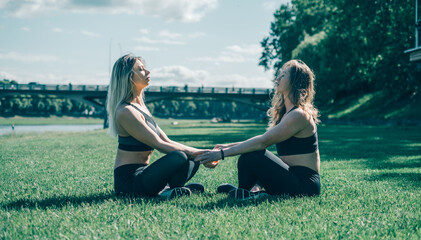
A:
[416,24]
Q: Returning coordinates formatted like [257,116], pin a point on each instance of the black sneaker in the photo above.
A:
[243,194]
[195,187]
[225,188]
[175,192]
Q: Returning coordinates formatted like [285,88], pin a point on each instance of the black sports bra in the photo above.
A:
[130,143]
[294,145]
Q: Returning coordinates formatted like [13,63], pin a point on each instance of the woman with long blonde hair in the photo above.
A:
[138,135]
[293,128]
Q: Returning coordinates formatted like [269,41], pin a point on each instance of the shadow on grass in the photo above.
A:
[58,202]
[235,203]
[390,163]
[409,179]
[64,201]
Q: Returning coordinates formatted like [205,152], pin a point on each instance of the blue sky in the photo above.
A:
[207,42]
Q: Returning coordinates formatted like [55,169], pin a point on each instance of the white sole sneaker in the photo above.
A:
[243,194]
[175,192]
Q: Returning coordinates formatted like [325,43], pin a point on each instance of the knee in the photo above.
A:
[249,158]
[178,156]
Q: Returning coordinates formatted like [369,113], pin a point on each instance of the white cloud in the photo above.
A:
[167,37]
[90,34]
[177,76]
[197,34]
[235,54]
[159,41]
[24,76]
[181,10]
[274,5]
[25,29]
[225,57]
[181,75]
[14,56]
[3,3]
[251,49]
[237,80]
[58,30]
[148,49]
[163,76]
[6,75]
[170,35]
[22,8]
[144,31]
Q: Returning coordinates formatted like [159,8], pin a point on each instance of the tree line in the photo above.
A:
[41,105]
[353,46]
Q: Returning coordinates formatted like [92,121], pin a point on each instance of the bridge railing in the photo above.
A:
[166,89]
[52,87]
[220,90]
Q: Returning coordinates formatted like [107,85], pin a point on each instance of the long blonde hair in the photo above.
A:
[121,88]
[301,93]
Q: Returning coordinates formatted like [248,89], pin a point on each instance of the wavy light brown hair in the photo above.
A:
[301,93]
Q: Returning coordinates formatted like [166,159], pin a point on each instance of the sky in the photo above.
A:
[211,43]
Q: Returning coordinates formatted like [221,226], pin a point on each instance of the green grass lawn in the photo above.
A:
[48,120]
[60,185]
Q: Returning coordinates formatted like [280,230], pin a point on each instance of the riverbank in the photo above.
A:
[53,120]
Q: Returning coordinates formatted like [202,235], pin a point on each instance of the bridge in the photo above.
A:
[96,94]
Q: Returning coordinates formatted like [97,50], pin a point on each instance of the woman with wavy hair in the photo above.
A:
[293,128]
[138,135]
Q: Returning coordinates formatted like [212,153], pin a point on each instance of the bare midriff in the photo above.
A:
[310,160]
[126,157]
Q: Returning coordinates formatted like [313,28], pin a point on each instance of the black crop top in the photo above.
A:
[130,143]
[294,145]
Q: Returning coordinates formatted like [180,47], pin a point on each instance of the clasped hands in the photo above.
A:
[209,158]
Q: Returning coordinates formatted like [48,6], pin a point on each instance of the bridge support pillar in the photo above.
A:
[105,125]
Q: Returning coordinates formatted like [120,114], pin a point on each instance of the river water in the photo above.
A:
[7,129]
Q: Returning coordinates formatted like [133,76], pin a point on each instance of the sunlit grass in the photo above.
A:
[352,106]
[60,185]
[378,107]
[48,120]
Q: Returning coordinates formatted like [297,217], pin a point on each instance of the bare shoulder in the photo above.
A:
[304,121]
[125,112]
[299,115]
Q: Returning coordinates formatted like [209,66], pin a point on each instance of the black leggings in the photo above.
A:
[269,171]
[174,169]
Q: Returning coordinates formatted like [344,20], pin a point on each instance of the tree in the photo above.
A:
[352,46]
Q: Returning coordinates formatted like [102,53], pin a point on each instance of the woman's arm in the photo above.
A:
[134,125]
[289,126]
[219,146]
[191,151]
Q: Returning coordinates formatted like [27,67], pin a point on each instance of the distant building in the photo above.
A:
[415,53]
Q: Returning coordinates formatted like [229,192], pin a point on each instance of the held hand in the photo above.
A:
[196,153]
[209,156]
[211,164]
[219,146]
